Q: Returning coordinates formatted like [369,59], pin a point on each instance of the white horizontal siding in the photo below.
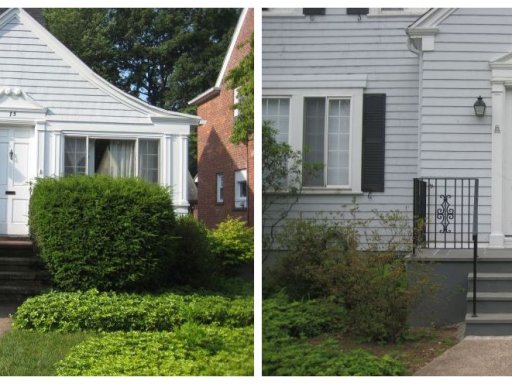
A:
[338,44]
[454,142]
[26,62]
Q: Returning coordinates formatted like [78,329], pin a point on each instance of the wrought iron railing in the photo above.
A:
[445,212]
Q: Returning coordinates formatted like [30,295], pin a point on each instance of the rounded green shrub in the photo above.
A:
[232,243]
[101,232]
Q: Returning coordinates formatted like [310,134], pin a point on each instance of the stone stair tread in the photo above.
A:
[491,276]
[15,243]
[499,296]
[489,318]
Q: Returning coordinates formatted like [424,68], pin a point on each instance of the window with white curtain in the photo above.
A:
[276,111]
[241,189]
[326,141]
[112,157]
[75,156]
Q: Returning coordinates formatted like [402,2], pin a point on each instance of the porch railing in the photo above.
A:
[445,212]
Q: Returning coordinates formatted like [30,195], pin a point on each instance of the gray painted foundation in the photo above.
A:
[448,270]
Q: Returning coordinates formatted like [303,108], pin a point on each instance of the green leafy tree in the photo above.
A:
[242,78]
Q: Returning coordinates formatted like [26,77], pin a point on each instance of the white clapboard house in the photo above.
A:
[408,110]
[57,117]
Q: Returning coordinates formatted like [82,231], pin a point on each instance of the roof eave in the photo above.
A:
[205,96]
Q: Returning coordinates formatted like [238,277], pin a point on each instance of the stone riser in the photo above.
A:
[501,329]
[490,306]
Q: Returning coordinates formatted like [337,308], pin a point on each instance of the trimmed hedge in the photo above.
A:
[102,232]
[192,350]
[109,311]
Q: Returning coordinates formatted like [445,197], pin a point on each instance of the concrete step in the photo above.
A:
[489,324]
[491,282]
[490,302]
[30,276]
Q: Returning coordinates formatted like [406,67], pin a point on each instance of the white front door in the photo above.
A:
[16,158]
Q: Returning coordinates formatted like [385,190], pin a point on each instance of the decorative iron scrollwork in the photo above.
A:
[445,213]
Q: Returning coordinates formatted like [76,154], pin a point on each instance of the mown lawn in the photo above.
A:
[30,353]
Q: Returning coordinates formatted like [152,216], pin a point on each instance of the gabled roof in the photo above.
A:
[157,114]
[214,91]
[429,22]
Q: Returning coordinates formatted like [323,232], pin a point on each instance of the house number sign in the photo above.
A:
[12,113]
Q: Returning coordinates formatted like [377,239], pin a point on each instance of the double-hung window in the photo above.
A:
[220,188]
[326,126]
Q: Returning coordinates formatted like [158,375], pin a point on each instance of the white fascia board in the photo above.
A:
[231,48]
[83,70]
[206,95]
[430,20]
[232,45]
[119,130]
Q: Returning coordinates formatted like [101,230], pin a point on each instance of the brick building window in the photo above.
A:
[220,188]
[241,189]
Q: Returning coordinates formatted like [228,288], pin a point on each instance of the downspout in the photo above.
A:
[411,45]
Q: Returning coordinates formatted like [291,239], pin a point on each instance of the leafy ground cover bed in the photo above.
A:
[311,337]
[110,311]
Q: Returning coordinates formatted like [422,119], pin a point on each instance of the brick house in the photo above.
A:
[225,170]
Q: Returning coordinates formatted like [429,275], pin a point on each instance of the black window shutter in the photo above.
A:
[374,124]
[313,11]
[358,11]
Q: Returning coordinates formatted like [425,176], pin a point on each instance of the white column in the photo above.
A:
[57,153]
[497,237]
[167,162]
[41,145]
[183,166]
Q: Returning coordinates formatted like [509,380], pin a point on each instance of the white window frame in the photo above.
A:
[135,139]
[296,121]
[239,201]
[220,187]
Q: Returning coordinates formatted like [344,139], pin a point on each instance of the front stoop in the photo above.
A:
[22,273]
[493,305]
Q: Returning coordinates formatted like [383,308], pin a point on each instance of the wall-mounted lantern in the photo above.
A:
[479,107]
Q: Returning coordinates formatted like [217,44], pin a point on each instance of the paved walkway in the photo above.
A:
[473,356]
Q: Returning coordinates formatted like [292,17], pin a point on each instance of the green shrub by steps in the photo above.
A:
[102,232]
[232,244]
[308,318]
[294,357]
[109,311]
[192,350]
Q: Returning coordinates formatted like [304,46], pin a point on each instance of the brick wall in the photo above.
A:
[216,154]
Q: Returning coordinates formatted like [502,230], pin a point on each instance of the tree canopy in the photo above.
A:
[164,56]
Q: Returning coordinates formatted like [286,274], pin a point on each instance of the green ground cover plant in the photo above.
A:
[110,311]
[192,350]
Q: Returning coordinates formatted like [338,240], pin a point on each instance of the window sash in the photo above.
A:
[220,188]
[326,140]
[241,189]
[75,154]
[149,160]
[276,110]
